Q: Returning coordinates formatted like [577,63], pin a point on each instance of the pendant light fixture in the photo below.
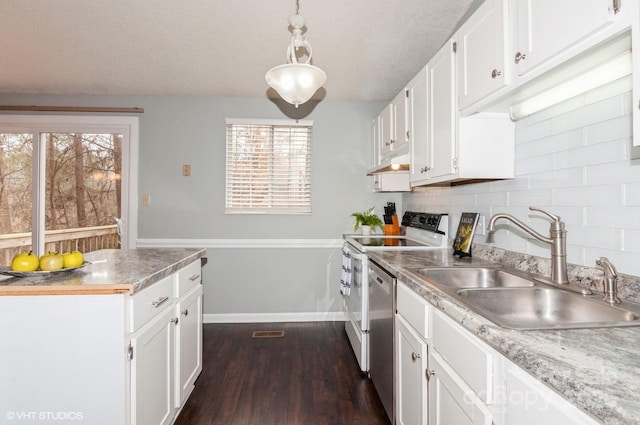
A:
[296,81]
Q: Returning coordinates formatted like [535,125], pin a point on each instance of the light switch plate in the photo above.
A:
[186,170]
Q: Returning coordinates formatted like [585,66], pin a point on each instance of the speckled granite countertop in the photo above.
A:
[596,369]
[109,271]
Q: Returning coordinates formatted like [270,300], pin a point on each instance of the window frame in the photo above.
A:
[270,123]
[37,124]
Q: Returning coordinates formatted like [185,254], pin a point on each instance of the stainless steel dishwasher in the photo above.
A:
[381,309]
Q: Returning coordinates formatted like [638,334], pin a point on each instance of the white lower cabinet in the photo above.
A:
[166,359]
[152,371]
[451,400]
[411,382]
[165,349]
[188,345]
[445,375]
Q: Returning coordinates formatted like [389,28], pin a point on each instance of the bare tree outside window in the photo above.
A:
[82,191]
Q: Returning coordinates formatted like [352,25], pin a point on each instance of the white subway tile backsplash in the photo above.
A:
[595,237]
[530,197]
[616,217]
[618,88]
[535,131]
[617,128]
[632,194]
[593,113]
[571,159]
[631,240]
[609,195]
[600,153]
[612,173]
[534,165]
[551,144]
[568,177]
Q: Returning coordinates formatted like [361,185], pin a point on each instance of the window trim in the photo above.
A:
[265,122]
[127,125]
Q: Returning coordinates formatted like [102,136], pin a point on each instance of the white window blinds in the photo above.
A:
[268,167]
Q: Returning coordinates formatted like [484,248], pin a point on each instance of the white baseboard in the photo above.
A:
[330,316]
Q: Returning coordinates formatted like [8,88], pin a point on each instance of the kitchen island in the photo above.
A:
[118,341]
[597,370]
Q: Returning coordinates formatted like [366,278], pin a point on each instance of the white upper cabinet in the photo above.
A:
[442,116]
[455,149]
[386,121]
[394,127]
[420,155]
[482,53]
[547,27]
[402,123]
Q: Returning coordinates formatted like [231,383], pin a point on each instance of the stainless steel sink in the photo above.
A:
[547,308]
[475,277]
[517,300]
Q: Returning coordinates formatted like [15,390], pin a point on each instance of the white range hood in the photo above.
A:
[395,164]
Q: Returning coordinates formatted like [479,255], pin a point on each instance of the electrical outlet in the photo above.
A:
[481,228]
[186,170]
[146,199]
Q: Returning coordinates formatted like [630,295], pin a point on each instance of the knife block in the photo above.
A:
[392,229]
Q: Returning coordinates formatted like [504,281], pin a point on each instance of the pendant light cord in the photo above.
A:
[297,7]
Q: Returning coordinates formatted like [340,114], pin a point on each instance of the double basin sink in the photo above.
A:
[516,300]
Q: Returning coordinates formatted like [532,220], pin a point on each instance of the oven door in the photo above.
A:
[357,302]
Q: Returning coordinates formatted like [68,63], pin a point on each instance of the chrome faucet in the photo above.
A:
[610,281]
[557,239]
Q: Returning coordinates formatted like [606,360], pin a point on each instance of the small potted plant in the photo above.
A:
[367,221]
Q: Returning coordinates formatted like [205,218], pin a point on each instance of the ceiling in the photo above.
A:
[368,48]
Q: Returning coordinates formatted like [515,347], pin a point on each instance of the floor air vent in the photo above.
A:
[267,334]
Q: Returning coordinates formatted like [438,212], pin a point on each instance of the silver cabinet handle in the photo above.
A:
[429,373]
[157,303]
[185,312]
[495,73]
[415,356]
[519,57]
[424,170]
[175,320]
[194,277]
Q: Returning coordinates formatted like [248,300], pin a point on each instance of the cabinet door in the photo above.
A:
[420,155]
[152,371]
[442,112]
[387,132]
[451,401]
[481,43]
[401,124]
[375,142]
[188,360]
[411,382]
[547,27]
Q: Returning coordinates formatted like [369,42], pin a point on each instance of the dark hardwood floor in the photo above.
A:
[310,376]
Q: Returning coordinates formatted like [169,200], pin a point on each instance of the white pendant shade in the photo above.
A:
[296,82]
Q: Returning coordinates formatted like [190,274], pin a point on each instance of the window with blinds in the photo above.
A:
[268,167]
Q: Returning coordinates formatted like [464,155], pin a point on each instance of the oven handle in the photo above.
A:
[354,253]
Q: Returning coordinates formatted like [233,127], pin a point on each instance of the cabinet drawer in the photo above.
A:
[413,309]
[188,278]
[472,361]
[151,301]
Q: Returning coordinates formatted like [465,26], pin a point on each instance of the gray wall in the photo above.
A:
[255,279]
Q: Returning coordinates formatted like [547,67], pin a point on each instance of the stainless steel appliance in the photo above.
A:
[381,311]
[420,231]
